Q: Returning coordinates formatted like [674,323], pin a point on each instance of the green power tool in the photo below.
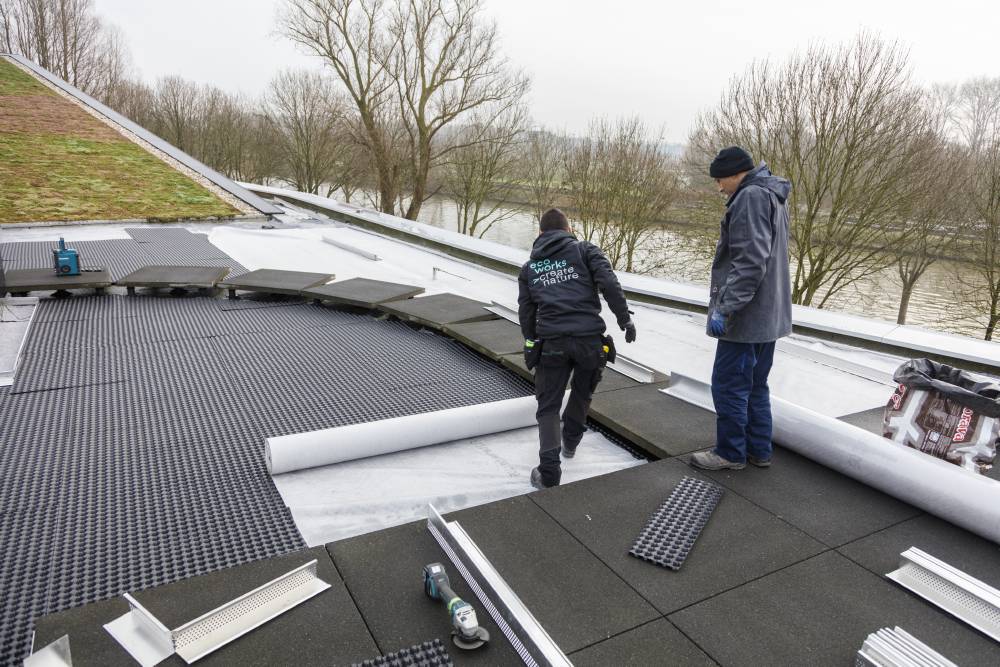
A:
[466,633]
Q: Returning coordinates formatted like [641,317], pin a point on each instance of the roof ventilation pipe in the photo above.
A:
[954,494]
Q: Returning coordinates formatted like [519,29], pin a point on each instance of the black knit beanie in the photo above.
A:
[730,161]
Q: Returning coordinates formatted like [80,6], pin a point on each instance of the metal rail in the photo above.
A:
[526,635]
[959,594]
[895,647]
[149,641]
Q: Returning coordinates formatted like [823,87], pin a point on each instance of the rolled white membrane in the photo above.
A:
[957,495]
[357,497]
[299,451]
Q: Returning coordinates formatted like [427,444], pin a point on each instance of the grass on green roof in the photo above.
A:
[57,162]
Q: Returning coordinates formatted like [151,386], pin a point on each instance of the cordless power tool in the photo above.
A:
[466,633]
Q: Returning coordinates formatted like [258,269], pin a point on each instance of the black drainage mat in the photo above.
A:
[427,654]
[670,533]
[107,488]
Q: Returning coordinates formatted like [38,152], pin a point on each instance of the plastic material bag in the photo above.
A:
[945,412]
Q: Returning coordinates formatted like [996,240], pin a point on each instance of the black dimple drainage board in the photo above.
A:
[670,533]
[153,471]
[428,654]
[123,256]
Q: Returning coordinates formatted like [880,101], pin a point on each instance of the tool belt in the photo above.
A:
[532,353]
[609,349]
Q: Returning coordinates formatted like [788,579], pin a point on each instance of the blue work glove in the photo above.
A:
[629,332]
[717,324]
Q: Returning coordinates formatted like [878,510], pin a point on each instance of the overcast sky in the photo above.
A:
[664,61]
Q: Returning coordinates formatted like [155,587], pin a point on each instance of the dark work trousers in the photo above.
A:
[583,358]
[742,400]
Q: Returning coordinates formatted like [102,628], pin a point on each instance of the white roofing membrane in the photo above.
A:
[342,500]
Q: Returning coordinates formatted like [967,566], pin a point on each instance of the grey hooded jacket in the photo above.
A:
[750,281]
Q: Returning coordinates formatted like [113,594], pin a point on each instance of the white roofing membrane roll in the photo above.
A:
[957,495]
[299,451]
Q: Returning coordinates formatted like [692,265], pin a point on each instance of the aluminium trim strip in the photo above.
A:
[352,249]
[7,377]
[894,647]
[517,623]
[141,634]
[624,365]
[56,654]
[149,641]
[209,632]
[954,591]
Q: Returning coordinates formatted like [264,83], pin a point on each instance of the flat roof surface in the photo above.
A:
[779,585]
[789,569]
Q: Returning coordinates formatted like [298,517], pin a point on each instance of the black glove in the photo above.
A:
[629,332]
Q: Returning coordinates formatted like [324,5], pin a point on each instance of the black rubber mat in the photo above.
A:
[362,292]
[130,443]
[428,654]
[275,281]
[670,533]
[171,276]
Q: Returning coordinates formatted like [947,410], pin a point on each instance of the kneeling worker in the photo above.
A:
[563,330]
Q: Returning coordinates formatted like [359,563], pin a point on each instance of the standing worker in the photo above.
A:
[563,331]
[749,308]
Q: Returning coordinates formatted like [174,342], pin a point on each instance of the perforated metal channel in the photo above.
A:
[491,608]
[429,654]
[671,532]
[234,613]
[952,598]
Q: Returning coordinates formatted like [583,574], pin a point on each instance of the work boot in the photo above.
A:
[760,463]
[568,453]
[536,479]
[711,461]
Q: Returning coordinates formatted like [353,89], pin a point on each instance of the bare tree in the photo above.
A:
[411,69]
[978,122]
[305,111]
[541,168]
[350,36]
[479,175]
[838,122]
[66,37]
[933,211]
[620,184]
[982,288]
[176,111]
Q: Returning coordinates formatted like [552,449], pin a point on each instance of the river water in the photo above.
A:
[936,301]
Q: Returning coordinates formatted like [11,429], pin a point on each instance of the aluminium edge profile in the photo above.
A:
[626,366]
[964,597]
[352,249]
[7,377]
[56,654]
[149,641]
[526,635]
[894,647]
